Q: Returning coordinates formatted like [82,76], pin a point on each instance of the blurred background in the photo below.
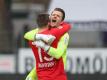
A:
[87,50]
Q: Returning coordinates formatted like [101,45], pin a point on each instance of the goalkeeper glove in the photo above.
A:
[41,44]
[46,38]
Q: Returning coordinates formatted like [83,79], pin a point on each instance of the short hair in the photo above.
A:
[62,11]
[42,19]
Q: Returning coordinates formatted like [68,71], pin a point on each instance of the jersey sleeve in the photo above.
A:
[57,32]
[61,30]
[30,35]
[61,48]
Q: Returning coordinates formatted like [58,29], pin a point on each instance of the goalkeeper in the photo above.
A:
[54,49]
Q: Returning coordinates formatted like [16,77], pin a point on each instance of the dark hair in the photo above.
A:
[42,19]
[62,11]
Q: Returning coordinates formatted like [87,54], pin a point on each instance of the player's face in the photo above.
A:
[56,18]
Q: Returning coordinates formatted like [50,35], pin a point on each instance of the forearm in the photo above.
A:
[60,30]
[57,52]
[61,47]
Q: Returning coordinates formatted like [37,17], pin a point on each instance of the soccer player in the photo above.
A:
[52,67]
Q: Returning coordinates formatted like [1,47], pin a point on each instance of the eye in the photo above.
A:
[53,14]
[58,16]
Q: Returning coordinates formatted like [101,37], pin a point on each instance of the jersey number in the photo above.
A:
[41,57]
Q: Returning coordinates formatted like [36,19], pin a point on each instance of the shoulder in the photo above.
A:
[32,31]
[65,37]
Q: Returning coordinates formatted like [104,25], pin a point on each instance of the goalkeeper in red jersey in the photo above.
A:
[50,57]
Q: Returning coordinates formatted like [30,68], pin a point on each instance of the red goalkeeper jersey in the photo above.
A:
[47,67]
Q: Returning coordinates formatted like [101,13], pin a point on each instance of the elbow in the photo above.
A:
[56,53]
[25,36]
[59,55]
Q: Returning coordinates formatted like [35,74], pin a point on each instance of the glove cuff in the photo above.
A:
[37,36]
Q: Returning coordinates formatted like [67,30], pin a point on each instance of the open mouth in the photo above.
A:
[53,20]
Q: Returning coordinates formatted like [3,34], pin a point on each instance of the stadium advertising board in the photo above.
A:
[87,61]
[79,60]
[7,64]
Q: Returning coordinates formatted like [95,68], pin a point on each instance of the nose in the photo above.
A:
[55,17]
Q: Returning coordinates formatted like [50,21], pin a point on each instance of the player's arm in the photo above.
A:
[32,75]
[49,36]
[59,31]
[65,28]
[55,52]
[61,48]
[30,35]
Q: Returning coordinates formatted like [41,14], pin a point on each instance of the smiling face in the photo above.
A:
[56,18]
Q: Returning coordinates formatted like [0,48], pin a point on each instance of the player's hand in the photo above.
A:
[41,44]
[46,38]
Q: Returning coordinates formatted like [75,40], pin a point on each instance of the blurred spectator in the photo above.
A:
[21,42]
[104,38]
